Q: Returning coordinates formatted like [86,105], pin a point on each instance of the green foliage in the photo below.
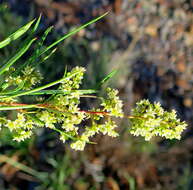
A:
[16,34]
[61,110]
[58,178]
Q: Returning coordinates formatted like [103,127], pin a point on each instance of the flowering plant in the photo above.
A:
[61,111]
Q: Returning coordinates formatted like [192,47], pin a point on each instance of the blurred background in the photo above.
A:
[150,43]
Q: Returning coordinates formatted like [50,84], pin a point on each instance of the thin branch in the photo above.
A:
[19,106]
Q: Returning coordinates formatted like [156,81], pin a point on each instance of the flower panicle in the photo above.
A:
[62,113]
[156,121]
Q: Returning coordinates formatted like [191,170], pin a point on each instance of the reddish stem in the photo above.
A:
[52,107]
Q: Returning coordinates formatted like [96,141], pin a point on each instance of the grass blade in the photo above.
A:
[73,32]
[109,76]
[16,56]
[39,53]
[48,92]
[33,60]
[37,23]
[6,108]
[16,34]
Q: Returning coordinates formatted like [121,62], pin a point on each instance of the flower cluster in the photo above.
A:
[113,104]
[75,81]
[21,127]
[152,120]
[61,110]
[29,77]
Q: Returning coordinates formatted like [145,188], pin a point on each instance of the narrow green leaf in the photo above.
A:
[5,108]
[73,32]
[48,92]
[39,53]
[109,76]
[48,30]
[37,23]
[16,34]
[16,56]
[48,56]
[33,60]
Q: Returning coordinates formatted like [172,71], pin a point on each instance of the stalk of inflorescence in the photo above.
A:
[61,110]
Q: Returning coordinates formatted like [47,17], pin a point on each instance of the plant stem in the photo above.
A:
[17,106]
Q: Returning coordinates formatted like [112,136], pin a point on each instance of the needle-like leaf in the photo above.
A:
[16,34]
